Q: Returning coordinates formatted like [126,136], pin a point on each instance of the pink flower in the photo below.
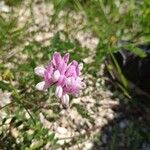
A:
[66,77]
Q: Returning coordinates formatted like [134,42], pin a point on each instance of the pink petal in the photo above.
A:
[50,68]
[66,57]
[68,82]
[62,80]
[79,68]
[48,72]
[39,71]
[75,63]
[72,81]
[59,91]
[70,71]
[57,59]
[62,67]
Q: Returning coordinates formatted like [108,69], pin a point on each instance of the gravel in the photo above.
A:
[97,101]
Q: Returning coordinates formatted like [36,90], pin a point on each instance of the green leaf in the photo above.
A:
[37,145]
[5,86]
[137,51]
[82,111]
[55,141]
[51,136]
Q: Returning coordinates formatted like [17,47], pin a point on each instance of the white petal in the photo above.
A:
[65,99]
[39,71]
[80,66]
[40,86]
[59,91]
[56,76]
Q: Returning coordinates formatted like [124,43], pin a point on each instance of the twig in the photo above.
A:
[30,115]
[7,105]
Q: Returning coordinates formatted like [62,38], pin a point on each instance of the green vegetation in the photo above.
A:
[111,22]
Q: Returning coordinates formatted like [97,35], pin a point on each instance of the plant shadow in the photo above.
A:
[130,129]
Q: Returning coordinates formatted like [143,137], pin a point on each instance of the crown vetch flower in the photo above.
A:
[66,77]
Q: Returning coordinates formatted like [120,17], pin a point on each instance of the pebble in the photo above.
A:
[8,121]
[88,146]
[4,8]
[61,130]
[123,124]
[110,116]
[14,132]
[4,98]
[104,138]
[146,146]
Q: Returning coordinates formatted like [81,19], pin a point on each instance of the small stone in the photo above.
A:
[36,144]
[30,132]
[21,127]
[8,121]
[110,116]
[14,132]
[47,146]
[27,116]
[61,130]
[19,140]
[123,124]
[83,131]
[4,98]
[42,118]
[110,129]
[104,138]
[146,146]
[88,146]
[4,8]
[76,100]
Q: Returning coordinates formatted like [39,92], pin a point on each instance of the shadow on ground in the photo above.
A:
[129,130]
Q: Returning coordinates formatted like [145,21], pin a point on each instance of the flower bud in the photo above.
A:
[39,71]
[65,99]
[59,91]
[40,86]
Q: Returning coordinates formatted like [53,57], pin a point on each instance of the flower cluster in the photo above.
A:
[66,77]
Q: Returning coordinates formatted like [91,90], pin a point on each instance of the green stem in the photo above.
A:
[18,98]
[122,77]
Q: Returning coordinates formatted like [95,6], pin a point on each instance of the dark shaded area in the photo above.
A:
[135,69]
[130,130]
[8,142]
